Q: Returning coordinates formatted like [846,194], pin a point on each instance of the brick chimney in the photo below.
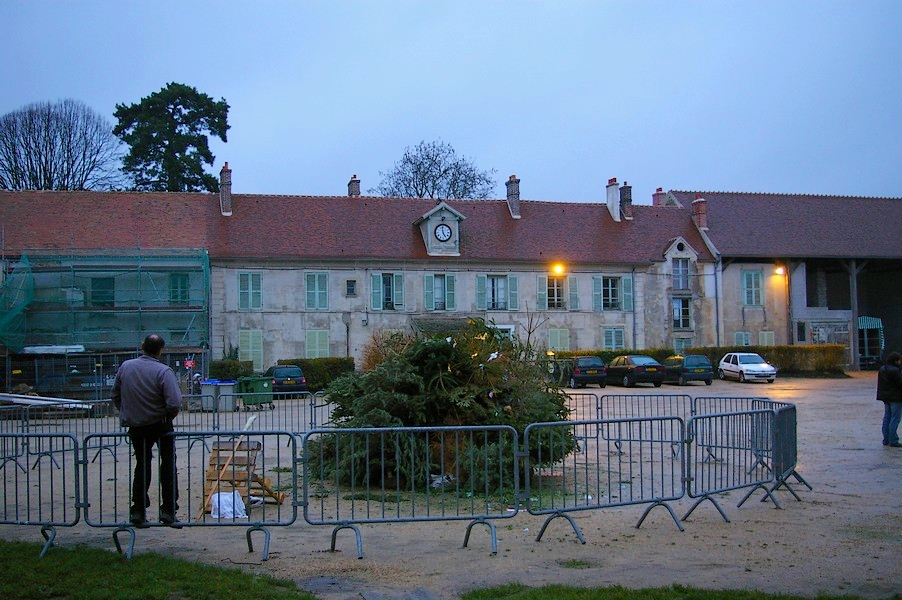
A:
[613,198]
[354,186]
[513,196]
[626,201]
[225,190]
[659,197]
[700,212]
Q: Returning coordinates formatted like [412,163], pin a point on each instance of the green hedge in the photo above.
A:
[228,369]
[320,372]
[802,360]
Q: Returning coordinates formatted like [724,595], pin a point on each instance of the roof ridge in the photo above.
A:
[795,194]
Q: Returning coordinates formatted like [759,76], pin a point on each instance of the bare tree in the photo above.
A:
[433,170]
[58,146]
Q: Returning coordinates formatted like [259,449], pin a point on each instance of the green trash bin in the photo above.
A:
[255,392]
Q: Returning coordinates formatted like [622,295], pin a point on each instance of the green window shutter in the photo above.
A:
[449,293]
[376,291]
[398,290]
[480,292]
[256,290]
[597,301]
[429,292]
[565,339]
[554,339]
[627,285]
[250,347]
[310,284]
[323,290]
[573,284]
[513,295]
[542,292]
[317,342]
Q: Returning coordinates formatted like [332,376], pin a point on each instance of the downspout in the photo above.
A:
[718,265]
[634,307]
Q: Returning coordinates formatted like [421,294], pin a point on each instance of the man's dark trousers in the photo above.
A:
[143,440]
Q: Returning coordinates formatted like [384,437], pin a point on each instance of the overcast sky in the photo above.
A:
[747,95]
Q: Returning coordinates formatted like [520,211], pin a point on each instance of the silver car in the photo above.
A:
[746,366]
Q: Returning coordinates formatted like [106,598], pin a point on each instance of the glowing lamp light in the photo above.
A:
[558,269]
[780,270]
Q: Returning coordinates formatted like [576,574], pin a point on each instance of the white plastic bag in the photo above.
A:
[227,505]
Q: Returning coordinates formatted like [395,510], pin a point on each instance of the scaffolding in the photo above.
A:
[64,316]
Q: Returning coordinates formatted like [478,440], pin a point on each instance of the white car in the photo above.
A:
[746,366]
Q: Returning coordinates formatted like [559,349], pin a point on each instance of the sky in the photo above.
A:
[788,96]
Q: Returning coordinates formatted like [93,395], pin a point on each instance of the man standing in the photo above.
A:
[889,391]
[148,397]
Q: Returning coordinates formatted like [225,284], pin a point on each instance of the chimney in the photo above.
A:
[626,201]
[613,199]
[513,196]
[225,190]
[700,212]
[354,186]
[659,197]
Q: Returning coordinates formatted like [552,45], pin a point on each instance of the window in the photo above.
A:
[250,291]
[250,347]
[613,338]
[351,288]
[801,333]
[438,292]
[742,338]
[681,313]
[680,345]
[317,291]
[505,332]
[558,339]
[752,292]
[555,287]
[317,343]
[765,338]
[387,291]
[496,292]
[178,288]
[681,273]
[102,291]
[612,293]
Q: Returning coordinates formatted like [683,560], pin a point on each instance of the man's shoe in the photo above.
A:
[895,445]
[168,518]
[138,519]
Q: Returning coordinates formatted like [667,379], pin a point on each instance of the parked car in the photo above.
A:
[287,379]
[746,366]
[681,369]
[631,369]
[588,369]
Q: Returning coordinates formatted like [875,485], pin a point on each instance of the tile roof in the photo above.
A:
[744,224]
[295,228]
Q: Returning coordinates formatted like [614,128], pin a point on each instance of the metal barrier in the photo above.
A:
[259,466]
[46,494]
[726,452]
[82,464]
[381,475]
[605,472]
[297,413]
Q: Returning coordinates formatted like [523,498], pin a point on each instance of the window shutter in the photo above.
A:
[376,291]
[554,338]
[429,292]
[597,300]
[627,284]
[449,292]
[256,290]
[480,292]
[513,294]
[323,290]
[573,284]
[310,284]
[398,290]
[317,342]
[250,347]
[542,292]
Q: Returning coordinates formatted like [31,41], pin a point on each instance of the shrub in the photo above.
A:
[320,372]
[228,369]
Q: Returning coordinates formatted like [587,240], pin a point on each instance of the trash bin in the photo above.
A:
[255,392]
[218,393]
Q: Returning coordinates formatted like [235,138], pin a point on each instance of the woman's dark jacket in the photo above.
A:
[889,383]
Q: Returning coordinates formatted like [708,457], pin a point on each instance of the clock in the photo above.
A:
[442,232]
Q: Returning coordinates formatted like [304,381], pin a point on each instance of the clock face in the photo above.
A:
[443,233]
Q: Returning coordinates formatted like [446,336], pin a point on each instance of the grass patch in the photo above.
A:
[575,564]
[85,573]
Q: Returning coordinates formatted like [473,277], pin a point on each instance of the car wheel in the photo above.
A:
[770,380]
[658,383]
[681,380]
[741,376]
[627,382]
[602,384]
[709,381]
[573,383]
[721,374]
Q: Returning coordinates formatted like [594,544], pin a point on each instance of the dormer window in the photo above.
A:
[440,228]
